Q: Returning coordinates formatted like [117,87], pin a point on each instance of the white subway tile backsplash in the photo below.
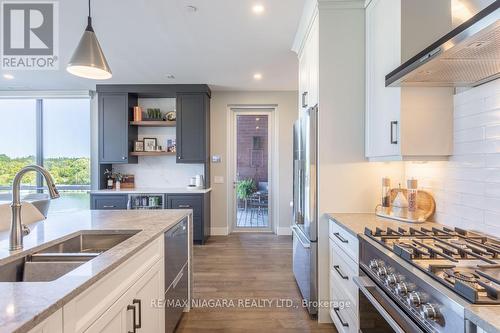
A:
[467,187]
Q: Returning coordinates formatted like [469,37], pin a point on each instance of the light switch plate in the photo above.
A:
[218,180]
[216,159]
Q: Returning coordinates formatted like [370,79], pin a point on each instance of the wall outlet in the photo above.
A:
[218,180]
[216,159]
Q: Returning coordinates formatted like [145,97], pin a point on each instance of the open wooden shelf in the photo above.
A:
[154,123]
[152,153]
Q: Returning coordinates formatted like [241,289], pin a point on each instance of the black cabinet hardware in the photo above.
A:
[337,268]
[342,239]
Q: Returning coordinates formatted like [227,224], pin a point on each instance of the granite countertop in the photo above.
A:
[24,305]
[483,316]
[146,190]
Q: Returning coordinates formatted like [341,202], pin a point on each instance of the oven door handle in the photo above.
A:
[367,287]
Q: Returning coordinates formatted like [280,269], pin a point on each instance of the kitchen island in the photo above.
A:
[87,294]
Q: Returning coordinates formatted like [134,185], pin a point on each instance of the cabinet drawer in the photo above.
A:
[109,202]
[186,202]
[342,311]
[345,240]
[343,270]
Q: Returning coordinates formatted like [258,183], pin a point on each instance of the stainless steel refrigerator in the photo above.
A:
[305,216]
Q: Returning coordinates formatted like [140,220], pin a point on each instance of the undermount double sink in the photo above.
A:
[56,260]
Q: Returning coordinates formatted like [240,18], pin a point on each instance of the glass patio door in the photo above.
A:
[252,170]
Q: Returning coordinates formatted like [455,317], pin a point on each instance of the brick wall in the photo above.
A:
[467,187]
[252,147]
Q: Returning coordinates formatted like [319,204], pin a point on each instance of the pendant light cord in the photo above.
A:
[89,21]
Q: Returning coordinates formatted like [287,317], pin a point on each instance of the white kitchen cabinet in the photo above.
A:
[309,67]
[134,308]
[344,266]
[103,307]
[53,324]
[405,123]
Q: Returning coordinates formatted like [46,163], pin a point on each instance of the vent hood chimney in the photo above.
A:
[467,56]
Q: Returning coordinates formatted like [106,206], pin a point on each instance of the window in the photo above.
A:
[54,133]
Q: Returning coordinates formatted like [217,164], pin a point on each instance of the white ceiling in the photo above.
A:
[222,44]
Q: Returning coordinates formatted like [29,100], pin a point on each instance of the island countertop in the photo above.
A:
[484,316]
[23,305]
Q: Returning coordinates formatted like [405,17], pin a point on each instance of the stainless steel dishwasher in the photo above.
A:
[176,274]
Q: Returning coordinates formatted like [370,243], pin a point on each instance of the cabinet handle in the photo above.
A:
[108,206]
[134,328]
[337,268]
[304,99]
[342,322]
[139,304]
[394,130]
[177,279]
[184,206]
[342,239]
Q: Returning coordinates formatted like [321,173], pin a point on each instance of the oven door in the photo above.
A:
[379,313]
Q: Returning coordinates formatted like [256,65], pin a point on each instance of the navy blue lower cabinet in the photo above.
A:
[108,201]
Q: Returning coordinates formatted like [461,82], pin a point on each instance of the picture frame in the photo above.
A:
[139,146]
[149,144]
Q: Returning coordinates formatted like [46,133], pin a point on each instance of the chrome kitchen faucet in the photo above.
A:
[17,230]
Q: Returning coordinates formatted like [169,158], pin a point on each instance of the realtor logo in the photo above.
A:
[30,35]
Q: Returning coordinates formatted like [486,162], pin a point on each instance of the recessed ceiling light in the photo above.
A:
[258,9]
[192,9]
[170,76]
[257,76]
[8,76]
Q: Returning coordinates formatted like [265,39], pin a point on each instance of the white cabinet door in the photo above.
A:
[117,319]
[383,54]
[53,324]
[147,292]
[313,63]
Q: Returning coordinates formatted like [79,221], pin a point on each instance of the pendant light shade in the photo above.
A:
[88,60]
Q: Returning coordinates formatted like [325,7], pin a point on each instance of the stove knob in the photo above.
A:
[416,299]
[375,264]
[383,271]
[393,278]
[429,311]
[403,288]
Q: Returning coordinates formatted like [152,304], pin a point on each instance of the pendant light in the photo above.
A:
[88,60]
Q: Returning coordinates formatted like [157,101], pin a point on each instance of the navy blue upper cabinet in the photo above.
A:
[116,136]
[193,128]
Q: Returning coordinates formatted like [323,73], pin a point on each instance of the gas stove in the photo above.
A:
[431,275]
[464,261]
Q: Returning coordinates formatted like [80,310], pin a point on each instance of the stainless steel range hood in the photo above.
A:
[467,56]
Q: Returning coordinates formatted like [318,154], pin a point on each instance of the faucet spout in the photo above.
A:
[16,226]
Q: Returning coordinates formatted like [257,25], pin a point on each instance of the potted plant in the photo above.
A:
[245,189]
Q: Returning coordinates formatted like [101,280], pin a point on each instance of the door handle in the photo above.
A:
[108,206]
[394,131]
[304,99]
[337,313]
[139,304]
[339,272]
[299,237]
[342,239]
[134,327]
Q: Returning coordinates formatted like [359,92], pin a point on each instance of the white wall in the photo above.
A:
[287,113]
[467,187]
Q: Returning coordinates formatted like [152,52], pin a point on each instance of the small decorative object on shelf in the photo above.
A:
[149,144]
[137,113]
[154,114]
[109,176]
[128,181]
[412,191]
[386,195]
[171,116]
[400,204]
[118,180]
[139,145]
[171,146]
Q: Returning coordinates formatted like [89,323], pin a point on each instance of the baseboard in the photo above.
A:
[284,231]
[220,231]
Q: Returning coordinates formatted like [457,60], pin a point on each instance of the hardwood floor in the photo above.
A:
[248,271]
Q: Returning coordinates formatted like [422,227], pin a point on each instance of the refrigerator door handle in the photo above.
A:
[305,243]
